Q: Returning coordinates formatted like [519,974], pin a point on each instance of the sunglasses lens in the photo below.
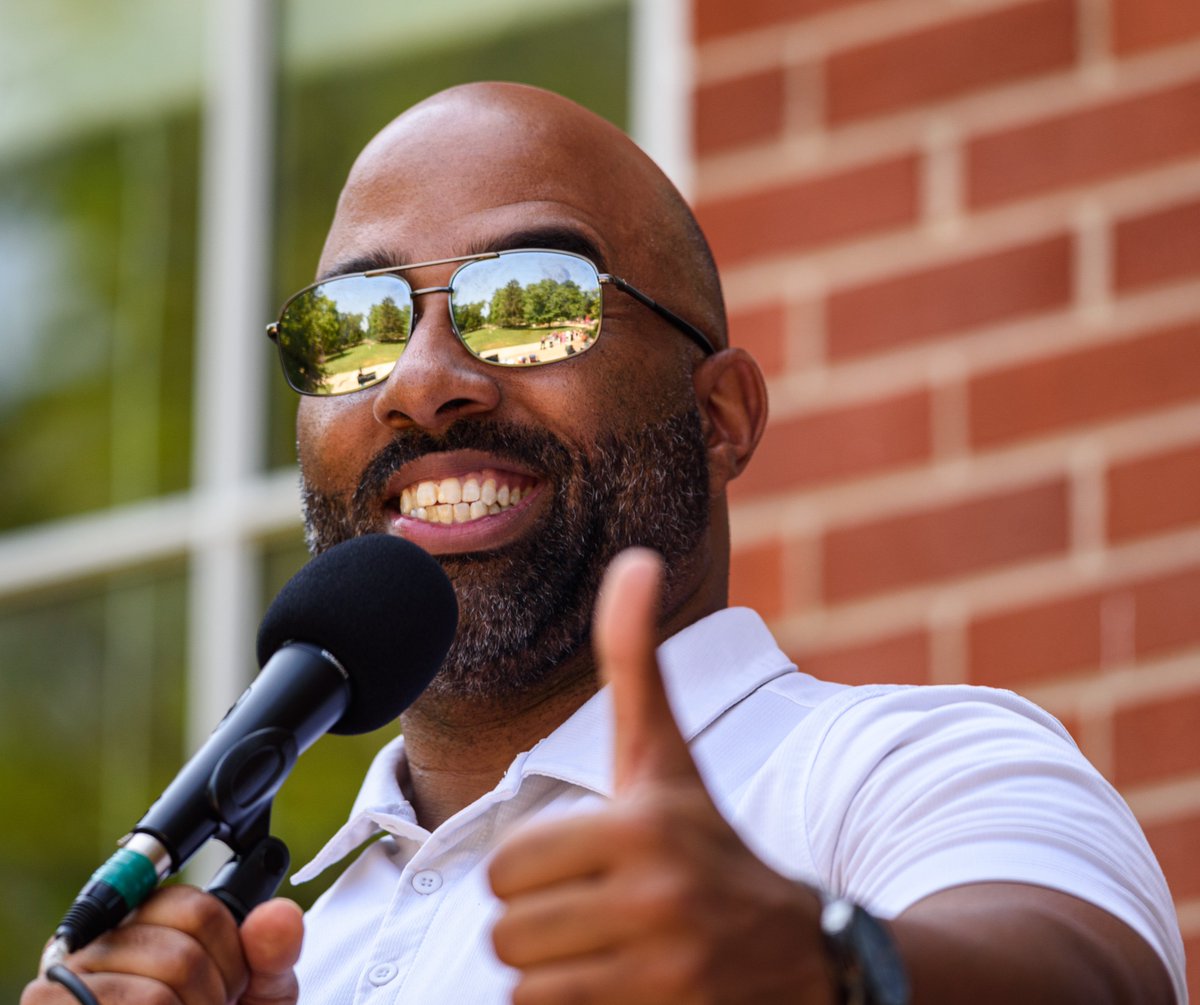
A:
[527,307]
[345,334]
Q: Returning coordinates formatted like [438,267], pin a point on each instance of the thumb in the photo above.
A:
[271,937]
[647,744]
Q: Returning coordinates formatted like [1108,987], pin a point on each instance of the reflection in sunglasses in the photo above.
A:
[510,308]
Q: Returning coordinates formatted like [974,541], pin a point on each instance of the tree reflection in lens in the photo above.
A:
[524,309]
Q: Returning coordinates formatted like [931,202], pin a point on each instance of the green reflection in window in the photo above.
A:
[90,721]
[98,242]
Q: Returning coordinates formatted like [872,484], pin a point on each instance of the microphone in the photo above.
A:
[347,645]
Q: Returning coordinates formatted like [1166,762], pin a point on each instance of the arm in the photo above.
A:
[657,899]
[183,946]
[1006,942]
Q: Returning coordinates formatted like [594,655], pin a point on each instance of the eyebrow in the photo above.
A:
[552,236]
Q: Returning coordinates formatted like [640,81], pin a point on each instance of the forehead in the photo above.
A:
[464,176]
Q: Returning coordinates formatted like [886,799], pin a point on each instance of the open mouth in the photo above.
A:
[464,499]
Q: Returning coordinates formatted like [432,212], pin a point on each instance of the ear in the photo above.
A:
[732,398]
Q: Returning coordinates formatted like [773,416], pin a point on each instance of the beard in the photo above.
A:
[526,608]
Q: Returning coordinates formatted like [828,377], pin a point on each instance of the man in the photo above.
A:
[546,843]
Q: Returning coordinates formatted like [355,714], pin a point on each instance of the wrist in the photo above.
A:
[866,962]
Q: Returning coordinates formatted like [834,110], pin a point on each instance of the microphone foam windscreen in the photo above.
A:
[383,607]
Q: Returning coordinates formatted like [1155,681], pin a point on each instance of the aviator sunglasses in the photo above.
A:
[526,307]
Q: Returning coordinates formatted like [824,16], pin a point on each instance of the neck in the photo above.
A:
[458,748]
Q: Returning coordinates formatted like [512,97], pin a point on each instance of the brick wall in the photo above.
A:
[963,238]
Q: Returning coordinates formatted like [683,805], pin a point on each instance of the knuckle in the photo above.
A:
[504,942]
[668,899]
[681,974]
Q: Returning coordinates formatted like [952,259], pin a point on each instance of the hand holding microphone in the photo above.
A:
[346,646]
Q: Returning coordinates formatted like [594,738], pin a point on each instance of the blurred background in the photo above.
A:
[962,237]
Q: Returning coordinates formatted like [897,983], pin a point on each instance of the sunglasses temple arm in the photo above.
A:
[691,331]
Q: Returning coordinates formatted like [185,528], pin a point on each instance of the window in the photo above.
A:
[116,536]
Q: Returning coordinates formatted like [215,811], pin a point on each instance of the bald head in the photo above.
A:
[489,161]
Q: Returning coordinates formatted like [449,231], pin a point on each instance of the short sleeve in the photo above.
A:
[915,790]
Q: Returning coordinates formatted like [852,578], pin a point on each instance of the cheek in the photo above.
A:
[621,389]
[328,445]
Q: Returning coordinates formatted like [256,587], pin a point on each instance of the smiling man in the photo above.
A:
[515,355]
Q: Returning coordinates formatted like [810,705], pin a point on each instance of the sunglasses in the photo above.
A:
[509,308]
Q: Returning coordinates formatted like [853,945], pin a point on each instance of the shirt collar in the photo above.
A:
[707,668]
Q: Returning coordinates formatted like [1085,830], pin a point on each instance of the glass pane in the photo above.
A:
[90,723]
[98,242]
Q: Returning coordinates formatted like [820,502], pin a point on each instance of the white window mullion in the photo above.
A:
[660,86]
[238,141]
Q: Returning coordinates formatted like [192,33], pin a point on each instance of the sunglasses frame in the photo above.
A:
[604,278]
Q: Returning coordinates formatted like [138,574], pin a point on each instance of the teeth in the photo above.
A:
[449,491]
[454,500]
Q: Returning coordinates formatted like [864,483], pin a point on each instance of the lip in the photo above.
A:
[485,533]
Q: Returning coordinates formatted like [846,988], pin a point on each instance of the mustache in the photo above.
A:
[538,449]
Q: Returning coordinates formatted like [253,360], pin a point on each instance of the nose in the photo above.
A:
[437,381]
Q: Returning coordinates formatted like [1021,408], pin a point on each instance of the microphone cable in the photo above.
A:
[71,981]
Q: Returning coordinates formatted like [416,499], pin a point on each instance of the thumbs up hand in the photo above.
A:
[655,899]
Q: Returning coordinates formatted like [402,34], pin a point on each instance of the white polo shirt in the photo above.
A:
[884,793]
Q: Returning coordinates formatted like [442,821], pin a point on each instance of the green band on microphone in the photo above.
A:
[130,873]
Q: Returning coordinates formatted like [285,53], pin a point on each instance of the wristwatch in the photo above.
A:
[866,960]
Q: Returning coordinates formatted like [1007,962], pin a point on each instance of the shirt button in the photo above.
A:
[427,881]
[382,973]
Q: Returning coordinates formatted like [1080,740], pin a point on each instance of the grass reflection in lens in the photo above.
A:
[527,308]
[345,334]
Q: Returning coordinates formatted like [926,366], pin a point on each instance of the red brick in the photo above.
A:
[1156,740]
[897,659]
[813,212]
[951,59]
[936,302]
[1014,647]
[1085,146]
[1191,950]
[1105,381]
[1159,247]
[756,579]
[762,331]
[840,443]
[734,112]
[1175,843]
[1168,617]
[1146,24]
[725,17]
[946,541]
[1153,494]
